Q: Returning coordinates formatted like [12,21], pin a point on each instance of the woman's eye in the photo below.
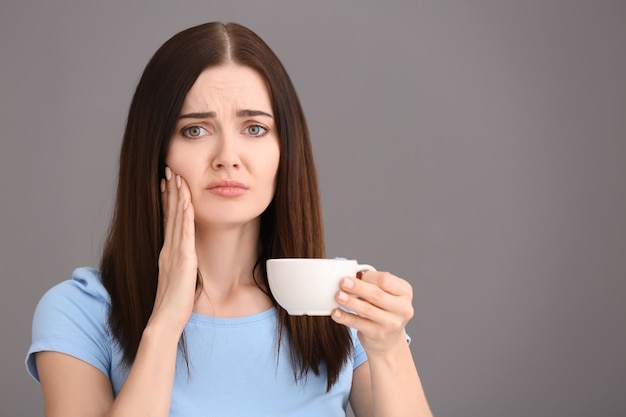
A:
[255,130]
[195,131]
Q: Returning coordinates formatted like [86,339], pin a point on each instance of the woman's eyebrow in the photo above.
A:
[212,114]
[252,113]
[206,115]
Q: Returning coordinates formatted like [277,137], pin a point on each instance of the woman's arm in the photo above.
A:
[73,388]
[394,391]
[387,384]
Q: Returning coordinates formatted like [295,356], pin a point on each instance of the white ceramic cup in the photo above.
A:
[308,286]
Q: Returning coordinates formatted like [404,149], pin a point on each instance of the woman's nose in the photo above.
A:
[226,154]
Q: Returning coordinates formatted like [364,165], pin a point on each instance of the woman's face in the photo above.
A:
[226,146]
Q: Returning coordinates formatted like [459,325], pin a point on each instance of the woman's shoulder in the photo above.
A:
[72,318]
[81,298]
[84,286]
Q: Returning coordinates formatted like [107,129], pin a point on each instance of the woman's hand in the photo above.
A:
[382,306]
[387,384]
[178,263]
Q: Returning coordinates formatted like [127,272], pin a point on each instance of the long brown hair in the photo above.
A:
[290,227]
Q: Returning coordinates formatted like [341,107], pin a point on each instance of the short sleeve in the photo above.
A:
[71,318]
[360,357]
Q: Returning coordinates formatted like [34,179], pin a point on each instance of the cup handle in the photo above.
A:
[364,267]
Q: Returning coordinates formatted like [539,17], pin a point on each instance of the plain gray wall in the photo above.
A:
[475,147]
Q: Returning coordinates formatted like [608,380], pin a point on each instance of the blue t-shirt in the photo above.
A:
[234,365]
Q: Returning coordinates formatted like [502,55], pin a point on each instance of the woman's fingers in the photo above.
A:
[379,306]
[380,289]
[388,282]
[178,221]
[168,202]
[174,194]
[178,260]
[187,228]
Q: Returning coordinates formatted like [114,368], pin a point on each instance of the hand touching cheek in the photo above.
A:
[178,263]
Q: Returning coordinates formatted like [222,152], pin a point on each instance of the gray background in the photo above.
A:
[476,148]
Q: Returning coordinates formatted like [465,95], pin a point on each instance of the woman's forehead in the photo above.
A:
[228,86]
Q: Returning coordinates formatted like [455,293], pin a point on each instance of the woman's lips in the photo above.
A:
[227,188]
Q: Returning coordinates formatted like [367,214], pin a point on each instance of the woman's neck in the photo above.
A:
[226,261]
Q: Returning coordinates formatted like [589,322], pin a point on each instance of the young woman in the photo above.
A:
[216,176]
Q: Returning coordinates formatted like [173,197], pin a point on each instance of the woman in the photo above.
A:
[216,176]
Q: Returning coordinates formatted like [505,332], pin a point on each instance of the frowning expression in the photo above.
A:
[226,146]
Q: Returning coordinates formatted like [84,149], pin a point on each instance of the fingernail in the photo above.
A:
[168,173]
[162,185]
[342,296]
[337,313]
[186,204]
[178,181]
[348,283]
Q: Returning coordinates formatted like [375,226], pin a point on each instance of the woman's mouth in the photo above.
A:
[227,188]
